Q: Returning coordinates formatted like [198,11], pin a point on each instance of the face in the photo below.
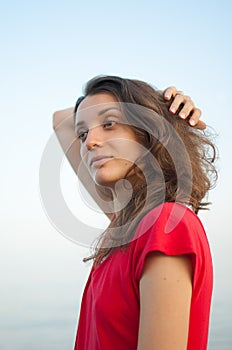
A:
[108,146]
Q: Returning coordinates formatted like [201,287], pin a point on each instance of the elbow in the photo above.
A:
[55,120]
[60,116]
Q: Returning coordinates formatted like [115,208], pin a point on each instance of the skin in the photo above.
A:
[64,128]
[102,133]
[165,298]
[165,286]
[166,282]
[188,110]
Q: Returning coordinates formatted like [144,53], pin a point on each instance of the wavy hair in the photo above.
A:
[181,168]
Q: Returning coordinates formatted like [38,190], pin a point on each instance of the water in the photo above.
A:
[51,324]
[41,289]
[220,337]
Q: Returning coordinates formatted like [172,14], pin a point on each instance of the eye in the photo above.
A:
[109,124]
[82,135]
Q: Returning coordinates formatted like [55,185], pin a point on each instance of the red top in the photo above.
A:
[109,316]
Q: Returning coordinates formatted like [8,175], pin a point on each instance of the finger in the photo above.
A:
[200,125]
[194,120]
[178,100]
[170,92]
[187,109]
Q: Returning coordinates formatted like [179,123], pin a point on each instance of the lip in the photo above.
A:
[98,161]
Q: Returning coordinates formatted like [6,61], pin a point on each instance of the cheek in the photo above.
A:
[83,154]
[130,152]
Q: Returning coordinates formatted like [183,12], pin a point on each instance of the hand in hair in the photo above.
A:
[184,106]
[63,124]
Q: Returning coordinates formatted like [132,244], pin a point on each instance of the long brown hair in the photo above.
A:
[182,168]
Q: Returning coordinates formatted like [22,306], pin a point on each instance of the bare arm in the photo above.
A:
[63,124]
[165,297]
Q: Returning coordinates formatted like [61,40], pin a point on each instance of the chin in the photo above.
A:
[106,182]
[107,178]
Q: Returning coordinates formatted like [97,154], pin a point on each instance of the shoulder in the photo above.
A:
[171,229]
[168,218]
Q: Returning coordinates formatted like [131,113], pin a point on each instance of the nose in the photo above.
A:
[93,138]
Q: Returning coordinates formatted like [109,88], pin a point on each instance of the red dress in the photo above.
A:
[109,316]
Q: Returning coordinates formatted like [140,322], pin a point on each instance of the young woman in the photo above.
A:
[151,282]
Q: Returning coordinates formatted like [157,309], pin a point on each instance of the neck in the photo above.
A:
[122,193]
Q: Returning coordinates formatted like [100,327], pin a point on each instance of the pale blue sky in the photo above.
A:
[48,51]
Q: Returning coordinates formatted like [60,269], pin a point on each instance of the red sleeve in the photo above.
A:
[172,229]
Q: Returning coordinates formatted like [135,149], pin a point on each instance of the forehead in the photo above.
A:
[96,100]
[94,105]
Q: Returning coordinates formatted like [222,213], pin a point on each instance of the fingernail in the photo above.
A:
[173,110]
[192,122]
[182,115]
[167,96]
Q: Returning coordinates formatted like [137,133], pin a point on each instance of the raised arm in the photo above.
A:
[63,124]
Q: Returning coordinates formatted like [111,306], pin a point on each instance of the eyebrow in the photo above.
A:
[107,109]
[82,122]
